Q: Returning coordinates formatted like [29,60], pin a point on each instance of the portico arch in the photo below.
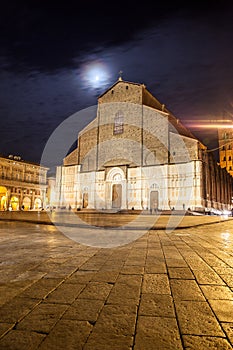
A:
[26,203]
[3,198]
[37,203]
[14,203]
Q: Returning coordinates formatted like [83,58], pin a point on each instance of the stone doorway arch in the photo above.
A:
[116,183]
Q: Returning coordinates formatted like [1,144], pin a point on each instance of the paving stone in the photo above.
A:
[217,292]
[122,293]
[186,290]
[158,268]
[228,328]
[106,341]
[41,288]
[109,277]
[156,283]
[228,279]
[28,276]
[223,309]
[66,293]
[213,261]
[96,290]
[89,266]
[16,309]
[197,318]
[84,310]
[152,260]
[130,280]
[132,270]
[223,270]
[4,327]
[171,262]
[42,318]
[229,261]
[196,263]
[134,262]
[21,340]
[180,272]
[67,334]
[154,253]
[203,343]
[60,272]
[114,328]
[156,305]
[117,320]
[157,333]
[81,277]
[208,277]
[9,290]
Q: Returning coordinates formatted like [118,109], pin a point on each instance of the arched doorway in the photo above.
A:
[14,203]
[116,189]
[154,200]
[37,203]
[3,198]
[85,200]
[26,203]
[116,196]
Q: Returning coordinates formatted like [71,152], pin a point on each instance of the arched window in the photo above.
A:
[118,123]
[229,158]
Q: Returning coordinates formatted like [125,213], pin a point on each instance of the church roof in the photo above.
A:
[116,83]
[144,97]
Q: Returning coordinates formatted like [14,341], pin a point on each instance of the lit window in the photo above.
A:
[118,123]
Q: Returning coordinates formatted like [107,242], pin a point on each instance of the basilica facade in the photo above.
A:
[136,154]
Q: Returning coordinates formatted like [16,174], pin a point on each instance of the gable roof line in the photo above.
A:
[119,81]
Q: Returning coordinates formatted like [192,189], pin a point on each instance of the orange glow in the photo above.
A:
[210,124]
[213,126]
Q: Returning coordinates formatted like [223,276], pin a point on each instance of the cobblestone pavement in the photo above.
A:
[166,290]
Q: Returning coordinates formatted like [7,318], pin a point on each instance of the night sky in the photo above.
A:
[57,58]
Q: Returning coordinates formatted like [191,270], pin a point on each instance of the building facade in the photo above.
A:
[136,154]
[23,184]
[225,139]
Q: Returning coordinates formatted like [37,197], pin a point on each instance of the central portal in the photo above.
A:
[154,200]
[116,196]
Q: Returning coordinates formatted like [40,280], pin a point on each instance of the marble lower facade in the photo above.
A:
[164,187]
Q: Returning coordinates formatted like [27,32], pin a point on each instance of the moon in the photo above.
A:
[95,75]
